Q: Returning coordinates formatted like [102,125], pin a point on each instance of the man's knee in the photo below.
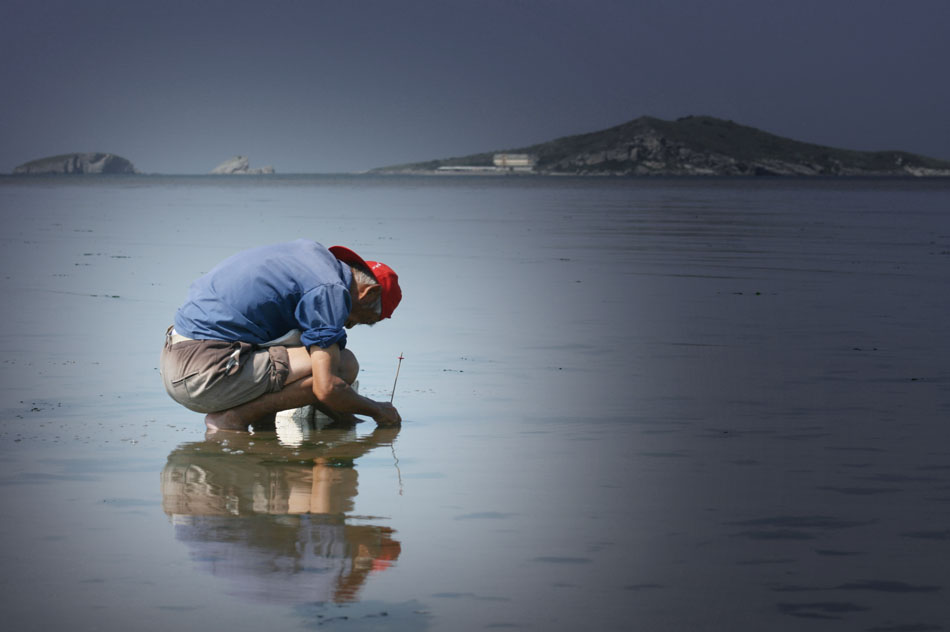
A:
[349,366]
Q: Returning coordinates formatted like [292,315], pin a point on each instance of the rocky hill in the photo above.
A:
[80,163]
[240,165]
[694,145]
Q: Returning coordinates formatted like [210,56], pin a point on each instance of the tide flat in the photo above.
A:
[630,404]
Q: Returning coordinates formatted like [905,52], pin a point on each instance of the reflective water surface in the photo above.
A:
[275,522]
[630,404]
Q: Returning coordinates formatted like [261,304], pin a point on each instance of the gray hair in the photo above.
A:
[363,278]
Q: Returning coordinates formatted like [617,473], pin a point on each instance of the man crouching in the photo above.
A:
[265,331]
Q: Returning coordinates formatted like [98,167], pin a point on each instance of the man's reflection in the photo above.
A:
[273,519]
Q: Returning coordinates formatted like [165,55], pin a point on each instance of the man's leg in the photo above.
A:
[297,392]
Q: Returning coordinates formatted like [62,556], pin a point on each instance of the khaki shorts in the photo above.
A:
[207,376]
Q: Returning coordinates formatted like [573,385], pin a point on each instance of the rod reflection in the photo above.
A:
[275,519]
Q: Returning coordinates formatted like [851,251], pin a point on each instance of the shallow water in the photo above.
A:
[630,404]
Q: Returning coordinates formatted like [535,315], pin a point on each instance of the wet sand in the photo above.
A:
[660,404]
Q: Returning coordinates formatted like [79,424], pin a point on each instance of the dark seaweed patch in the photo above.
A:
[928,535]
[802,522]
[887,586]
[860,491]
[637,587]
[776,534]
[820,610]
[485,515]
[551,559]
[833,553]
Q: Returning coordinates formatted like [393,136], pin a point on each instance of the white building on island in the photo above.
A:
[514,162]
[501,163]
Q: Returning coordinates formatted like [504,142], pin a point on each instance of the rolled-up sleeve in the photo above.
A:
[322,314]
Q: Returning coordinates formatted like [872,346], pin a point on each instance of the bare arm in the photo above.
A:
[333,391]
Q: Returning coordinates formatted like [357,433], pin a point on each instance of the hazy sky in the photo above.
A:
[321,86]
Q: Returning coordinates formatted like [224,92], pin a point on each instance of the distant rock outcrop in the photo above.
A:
[76,163]
[240,165]
[694,145]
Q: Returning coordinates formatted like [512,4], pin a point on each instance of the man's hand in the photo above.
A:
[387,415]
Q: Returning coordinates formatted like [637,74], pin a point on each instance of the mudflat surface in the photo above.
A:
[629,404]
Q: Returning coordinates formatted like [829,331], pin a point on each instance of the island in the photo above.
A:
[691,146]
[240,165]
[78,163]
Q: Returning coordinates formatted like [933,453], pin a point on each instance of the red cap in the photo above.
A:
[386,276]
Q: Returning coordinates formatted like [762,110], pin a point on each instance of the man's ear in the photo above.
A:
[369,293]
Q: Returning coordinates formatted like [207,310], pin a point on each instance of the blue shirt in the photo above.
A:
[260,294]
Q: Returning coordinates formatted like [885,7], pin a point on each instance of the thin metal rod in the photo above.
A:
[397,378]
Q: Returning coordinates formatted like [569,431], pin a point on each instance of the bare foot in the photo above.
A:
[267,423]
[225,420]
